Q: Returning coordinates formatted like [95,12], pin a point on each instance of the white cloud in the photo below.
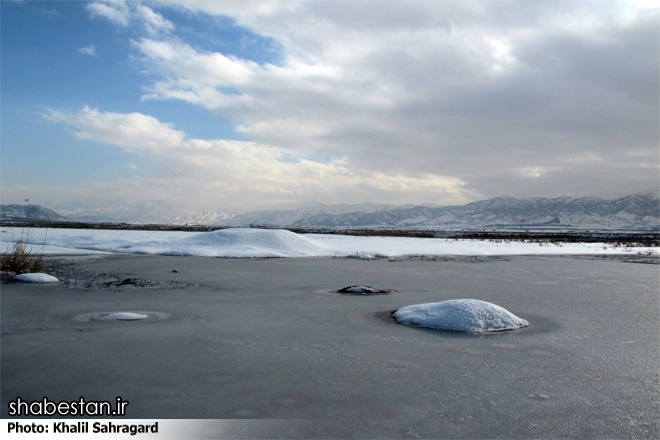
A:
[48,12]
[133,131]
[475,90]
[154,22]
[122,13]
[240,175]
[116,11]
[88,50]
[417,101]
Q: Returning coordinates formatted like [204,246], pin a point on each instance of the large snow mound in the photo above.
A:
[36,278]
[463,315]
[239,242]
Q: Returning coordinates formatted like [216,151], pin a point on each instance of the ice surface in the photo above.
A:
[464,315]
[270,344]
[252,242]
[36,278]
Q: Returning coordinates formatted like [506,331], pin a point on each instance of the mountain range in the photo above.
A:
[633,212]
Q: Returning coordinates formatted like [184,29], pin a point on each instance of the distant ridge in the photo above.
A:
[639,211]
[35,213]
[139,212]
[634,212]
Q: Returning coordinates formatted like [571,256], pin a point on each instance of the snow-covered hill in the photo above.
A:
[318,212]
[35,213]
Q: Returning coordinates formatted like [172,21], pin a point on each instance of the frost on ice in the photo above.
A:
[463,315]
[36,278]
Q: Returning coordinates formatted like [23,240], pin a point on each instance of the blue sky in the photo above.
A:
[48,63]
[233,106]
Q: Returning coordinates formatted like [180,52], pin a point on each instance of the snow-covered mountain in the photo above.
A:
[156,212]
[634,212]
[35,213]
[161,213]
[640,211]
[322,215]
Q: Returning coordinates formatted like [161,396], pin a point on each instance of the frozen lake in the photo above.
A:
[267,340]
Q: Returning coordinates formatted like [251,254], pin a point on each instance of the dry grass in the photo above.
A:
[19,259]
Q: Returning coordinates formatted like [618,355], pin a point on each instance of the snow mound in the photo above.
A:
[124,316]
[239,242]
[463,315]
[36,278]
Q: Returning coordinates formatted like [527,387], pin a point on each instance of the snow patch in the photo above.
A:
[123,316]
[36,278]
[463,315]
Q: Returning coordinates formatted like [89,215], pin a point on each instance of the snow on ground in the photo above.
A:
[236,243]
[463,315]
[279,243]
[81,241]
[36,278]
[393,246]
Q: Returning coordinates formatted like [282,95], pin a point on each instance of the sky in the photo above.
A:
[233,106]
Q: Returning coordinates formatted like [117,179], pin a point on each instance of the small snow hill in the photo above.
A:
[237,243]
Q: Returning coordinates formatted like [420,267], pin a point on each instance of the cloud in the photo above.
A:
[240,175]
[154,22]
[47,12]
[407,102]
[479,91]
[88,50]
[117,11]
[133,131]
[123,13]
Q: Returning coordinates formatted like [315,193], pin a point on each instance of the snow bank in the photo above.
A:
[36,278]
[239,242]
[396,246]
[250,242]
[463,315]
[82,241]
